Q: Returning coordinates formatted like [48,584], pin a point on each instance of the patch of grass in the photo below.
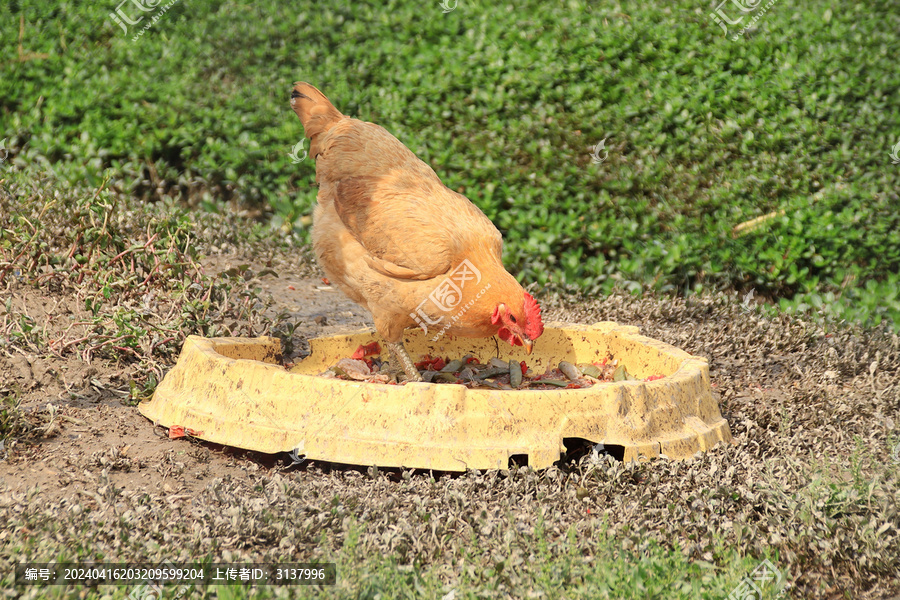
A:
[506,102]
[537,565]
[131,272]
[14,424]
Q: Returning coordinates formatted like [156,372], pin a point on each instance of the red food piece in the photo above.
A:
[431,363]
[524,367]
[290,287]
[434,364]
[179,431]
[654,377]
[325,281]
[370,349]
[471,360]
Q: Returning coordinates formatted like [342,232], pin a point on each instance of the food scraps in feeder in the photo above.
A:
[365,364]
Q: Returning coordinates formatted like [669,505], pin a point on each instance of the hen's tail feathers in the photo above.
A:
[316,113]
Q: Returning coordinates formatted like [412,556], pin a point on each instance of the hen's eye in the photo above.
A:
[512,318]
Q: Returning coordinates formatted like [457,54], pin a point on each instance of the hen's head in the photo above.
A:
[519,325]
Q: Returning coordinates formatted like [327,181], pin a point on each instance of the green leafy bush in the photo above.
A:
[506,102]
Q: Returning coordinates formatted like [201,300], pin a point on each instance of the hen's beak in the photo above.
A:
[528,343]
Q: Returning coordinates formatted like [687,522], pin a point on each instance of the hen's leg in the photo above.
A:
[400,355]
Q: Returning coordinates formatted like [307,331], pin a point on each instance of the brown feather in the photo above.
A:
[316,112]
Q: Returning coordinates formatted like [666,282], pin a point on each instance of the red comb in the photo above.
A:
[534,326]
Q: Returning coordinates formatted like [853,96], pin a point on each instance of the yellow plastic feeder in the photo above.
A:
[235,391]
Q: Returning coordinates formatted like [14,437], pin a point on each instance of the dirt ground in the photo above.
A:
[812,474]
[87,426]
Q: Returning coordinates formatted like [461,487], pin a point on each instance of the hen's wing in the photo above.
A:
[411,225]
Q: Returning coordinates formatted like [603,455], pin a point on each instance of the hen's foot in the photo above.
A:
[400,355]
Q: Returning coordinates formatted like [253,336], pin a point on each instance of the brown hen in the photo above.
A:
[400,243]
